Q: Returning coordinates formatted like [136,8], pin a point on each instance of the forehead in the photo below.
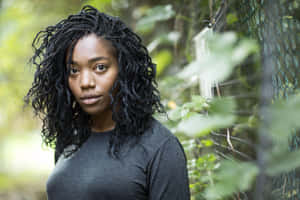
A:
[91,46]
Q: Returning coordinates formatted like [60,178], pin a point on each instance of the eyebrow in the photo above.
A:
[91,60]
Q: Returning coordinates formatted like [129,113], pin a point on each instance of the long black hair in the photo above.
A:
[64,122]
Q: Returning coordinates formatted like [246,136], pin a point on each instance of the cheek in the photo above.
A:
[105,85]
[72,86]
[108,82]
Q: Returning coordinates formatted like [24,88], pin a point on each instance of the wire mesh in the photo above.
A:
[286,70]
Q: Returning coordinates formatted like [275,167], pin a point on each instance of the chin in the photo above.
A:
[96,111]
[93,111]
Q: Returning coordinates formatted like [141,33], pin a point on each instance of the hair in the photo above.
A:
[64,123]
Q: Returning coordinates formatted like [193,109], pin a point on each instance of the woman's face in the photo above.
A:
[93,71]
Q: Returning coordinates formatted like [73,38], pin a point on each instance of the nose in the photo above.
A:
[87,80]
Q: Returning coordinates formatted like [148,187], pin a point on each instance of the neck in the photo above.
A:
[103,122]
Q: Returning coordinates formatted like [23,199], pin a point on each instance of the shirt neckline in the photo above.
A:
[103,132]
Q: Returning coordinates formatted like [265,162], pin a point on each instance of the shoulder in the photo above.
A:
[157,137]
[157,133]
[157,144]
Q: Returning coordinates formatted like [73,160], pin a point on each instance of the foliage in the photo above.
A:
[168,30]
[153,15]
[198,117]
[232,177]
[226,54]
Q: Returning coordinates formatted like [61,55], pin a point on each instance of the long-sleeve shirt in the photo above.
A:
[154,169]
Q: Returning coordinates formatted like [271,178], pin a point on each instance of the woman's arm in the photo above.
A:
[168,176]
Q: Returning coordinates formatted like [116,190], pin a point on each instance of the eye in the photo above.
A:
[73,70]
[101,67]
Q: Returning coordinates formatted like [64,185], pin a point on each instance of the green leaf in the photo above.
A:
[209,67]
[231,18]
[242,50]
[206,162]
[225,52]
[289,110]
[145,27]
[220,116]
[169,38]
[158,13]
[222,106]
[199,125]
[198,103]
[232,177]
[186,110]
[163,59]
[283,162]
[207,143]
[178,113]
[101,5]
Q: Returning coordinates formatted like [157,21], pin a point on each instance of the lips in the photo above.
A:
[89,100]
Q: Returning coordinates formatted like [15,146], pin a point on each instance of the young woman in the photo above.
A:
[95,90]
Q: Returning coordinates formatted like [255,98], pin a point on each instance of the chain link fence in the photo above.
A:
[285,53]
[255,18]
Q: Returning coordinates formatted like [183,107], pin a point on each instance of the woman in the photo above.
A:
[95,90]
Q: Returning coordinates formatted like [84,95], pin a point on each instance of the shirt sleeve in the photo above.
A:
[168,177]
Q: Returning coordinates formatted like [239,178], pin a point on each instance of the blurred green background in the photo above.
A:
[24,161]
[227,127]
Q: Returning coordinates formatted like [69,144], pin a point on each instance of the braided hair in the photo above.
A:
[64,123]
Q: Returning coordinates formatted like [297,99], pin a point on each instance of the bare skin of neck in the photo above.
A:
[103,123]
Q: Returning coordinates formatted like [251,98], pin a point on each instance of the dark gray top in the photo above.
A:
[155,169]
